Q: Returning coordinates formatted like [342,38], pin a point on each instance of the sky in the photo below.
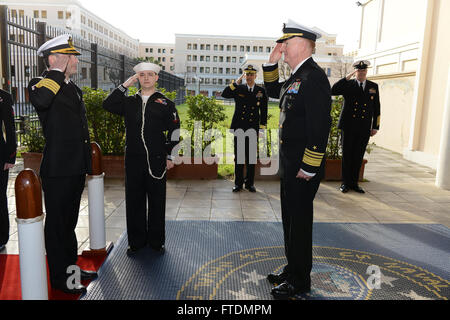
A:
[159,21]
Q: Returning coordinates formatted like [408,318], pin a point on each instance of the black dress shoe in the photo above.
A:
[277,279]
[77,288]
[237,189]
[251,188]
[286,290]
[132,250]
[88,275]
[159,249]
[344,188]
[358,189]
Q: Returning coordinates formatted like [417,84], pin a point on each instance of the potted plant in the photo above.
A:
[204,114]
[333,165]
[34,142]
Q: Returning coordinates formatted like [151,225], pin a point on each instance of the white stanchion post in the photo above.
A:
[97,230]
[30,225]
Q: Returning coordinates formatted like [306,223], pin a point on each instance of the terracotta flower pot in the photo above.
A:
[333,170]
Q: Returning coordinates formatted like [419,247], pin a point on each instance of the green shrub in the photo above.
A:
[105,128]
[33,137]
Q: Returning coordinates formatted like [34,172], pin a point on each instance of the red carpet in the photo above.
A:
[10,288]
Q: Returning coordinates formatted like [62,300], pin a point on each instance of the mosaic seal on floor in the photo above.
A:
[338,274]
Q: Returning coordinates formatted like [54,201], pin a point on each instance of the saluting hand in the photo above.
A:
[276,54]
[350,75]
[239,81]
[131,81]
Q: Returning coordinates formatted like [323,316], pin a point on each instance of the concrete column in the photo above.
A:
[421,77]
[443,168]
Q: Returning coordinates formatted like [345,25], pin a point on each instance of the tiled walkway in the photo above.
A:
[397,191]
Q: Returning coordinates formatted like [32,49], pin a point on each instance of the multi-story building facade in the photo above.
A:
[210,62]
[163,53]
[71,15]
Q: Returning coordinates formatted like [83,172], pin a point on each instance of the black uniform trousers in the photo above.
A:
[62,196]
[354,144]
[297,196]
[4,217]
[145,226]
[249,178]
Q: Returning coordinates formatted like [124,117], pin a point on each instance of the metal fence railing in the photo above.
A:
[20,38]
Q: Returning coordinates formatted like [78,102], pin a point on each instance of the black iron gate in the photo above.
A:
[21,36]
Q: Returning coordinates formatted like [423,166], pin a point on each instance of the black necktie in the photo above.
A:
[361,86]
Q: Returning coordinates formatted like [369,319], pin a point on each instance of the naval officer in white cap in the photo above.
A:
[359,120]
[305,103]
[152,124]
[66,157]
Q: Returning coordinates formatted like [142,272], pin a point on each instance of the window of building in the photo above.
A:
[202,47]
[228,70]
[69,15]
[159,50]
[216,47]
[44,14]
[228,59]
[215,58]
[194,69]
[215,70]
[14,13]
[194,58]
[202,69]
[189,46]
[221,47]
[207,81]
[255,49]
[220,70]
[194,47]
[234,48]
[220,59]
[208,58]
[21,13]
[247,48]
[233,71]
[228,47]
[208,47]
[233,59]
[36,13]
[268,49]
[220,81]
[60,15]
[260,49]
[207,70]
[242,48]
[202,58]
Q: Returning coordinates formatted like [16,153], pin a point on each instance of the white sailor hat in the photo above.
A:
[62,44]
[147,66]
[250,69]
[293,29]
[361,64]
